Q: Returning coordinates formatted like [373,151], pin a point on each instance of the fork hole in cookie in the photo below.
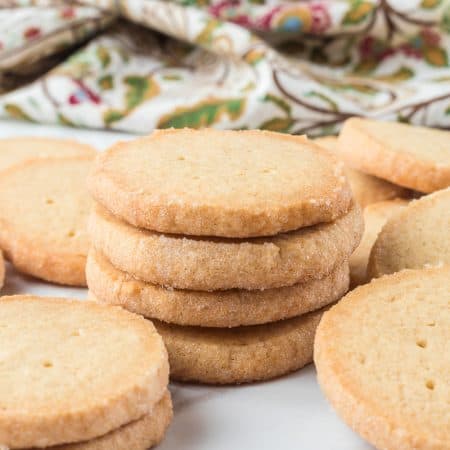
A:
[71,234]
[422,343]
[49,201]
[429,384]
[47,364]
[75,333]
[431,323]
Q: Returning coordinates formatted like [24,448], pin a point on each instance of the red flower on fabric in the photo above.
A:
[321,19]
[430,37]
[68,13]
[32,33]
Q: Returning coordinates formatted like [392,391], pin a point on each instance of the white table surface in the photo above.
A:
[287,413]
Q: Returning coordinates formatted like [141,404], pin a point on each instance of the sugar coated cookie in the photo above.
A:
[366,189]
[375,216]
[44,207]
[209,264]
[75,371]
[239,355]
[17,150]
[141,434]
[211,309]
[415,238]
[382,360]
[220,183]
[414,157]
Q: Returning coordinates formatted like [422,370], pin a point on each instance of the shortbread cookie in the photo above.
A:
[416,238]
[44,207]
[72,371]
[2,270]
[414,157]
[382,360]
[221,183]
[211,309]
[17,150]
[213,264]
[141,434]
[239,355]
[366,189]
[375,216]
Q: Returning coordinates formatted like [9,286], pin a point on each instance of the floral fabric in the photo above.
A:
[290,66]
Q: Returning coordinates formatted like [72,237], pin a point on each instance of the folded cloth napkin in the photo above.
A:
[289,66]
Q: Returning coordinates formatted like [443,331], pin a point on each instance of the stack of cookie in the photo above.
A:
[80,376]
[233,242]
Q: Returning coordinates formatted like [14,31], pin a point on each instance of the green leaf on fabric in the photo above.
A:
[279,124]
[280,102]
[333,105]
[203,114]
[445,20]
[402,74]
[361,88]
[172,77]
[63,120]
[254,56]
[365,67]
[429,4]
[205,37]
[16,112]
[106,83]
[112,115]
[447,111]
[104,56]
[139,89]
[358,12]
[435,56]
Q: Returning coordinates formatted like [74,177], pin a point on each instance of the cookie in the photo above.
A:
[375,216]
[209,264]
[75,371]
[239,355]
[44,207]
[383,363]
[211,309]
[414,157]
[14,151]
[2,270]
[366,189]
[220,183]
[138,435]
[415,238]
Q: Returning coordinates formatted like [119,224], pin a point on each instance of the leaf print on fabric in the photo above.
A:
[254,56]
[402,74]
[447,111]
[205,37]
[104,56]
[332,104]
[280,102]
[16,112]
[203,114]
[106,82]
[436,56]
[359,11]
[429,4]
[139,89]
[279,124]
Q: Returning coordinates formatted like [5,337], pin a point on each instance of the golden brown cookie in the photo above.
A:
[366,189]
[375,216]
[44,207]
[415,238]
[382,360]
[17,150]
[209,264]
[2,270]
[220,183]
[141,434]
[72,371]
[239,355]
[211,309]
[414,157]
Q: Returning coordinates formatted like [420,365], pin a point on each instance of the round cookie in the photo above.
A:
[414,157]
[239,355]
[207,264]
[141,434]
[44,207]
[2,270]
[220,183]
[381,360]
[366,189]
[224,309]
[76,370]
[375,216]
[415,238]
[14,151]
